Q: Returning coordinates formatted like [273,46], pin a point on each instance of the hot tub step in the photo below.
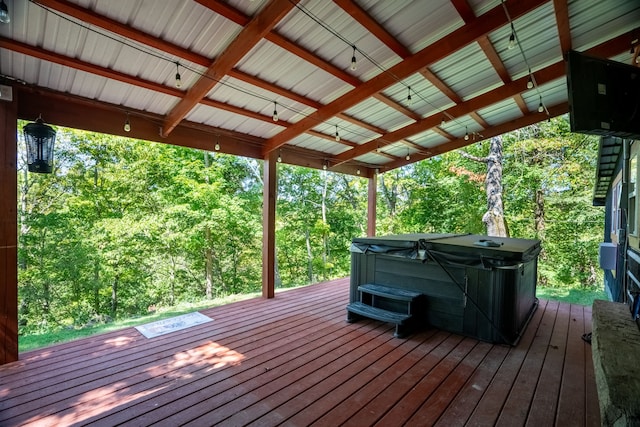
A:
[357,309]
[389,292]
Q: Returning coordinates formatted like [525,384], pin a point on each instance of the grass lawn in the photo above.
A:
[30,342]
[571,295]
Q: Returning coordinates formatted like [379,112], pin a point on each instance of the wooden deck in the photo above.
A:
[293,360]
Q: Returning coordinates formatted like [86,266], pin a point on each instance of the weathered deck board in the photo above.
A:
[294,360]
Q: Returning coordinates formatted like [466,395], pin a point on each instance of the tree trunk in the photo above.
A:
[494,217]
[114,296]
[24,229]
[208,264]
[208,252]
[390,195]
[309,255]
[539,215]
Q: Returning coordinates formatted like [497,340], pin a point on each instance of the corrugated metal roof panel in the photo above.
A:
[598,22]
[537,34]
[468,72]
[407,20]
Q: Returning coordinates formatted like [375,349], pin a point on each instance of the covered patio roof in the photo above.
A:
[93,64]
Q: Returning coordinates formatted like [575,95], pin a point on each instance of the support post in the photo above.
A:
[269,197]
[372,199]
[8,232]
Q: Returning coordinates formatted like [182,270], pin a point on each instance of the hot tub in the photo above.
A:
[479,286]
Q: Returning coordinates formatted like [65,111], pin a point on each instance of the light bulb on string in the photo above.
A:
[443,122]
[358,171]
[540,107]
[466,135]
[407,157]
[337,134]
[324,165]
[530,82]
[127,124]
[178,79]
[512,38]
[279,156]
[275,112]
[409,100]
[354,65]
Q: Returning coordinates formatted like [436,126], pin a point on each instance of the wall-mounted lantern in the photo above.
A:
[40,139]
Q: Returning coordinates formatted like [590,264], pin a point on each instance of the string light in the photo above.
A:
[178,79]
[530,81]
[443,122]
[409,100]
[324,165]
[354,65]
[407,157]
[466,134]
[275,111]
[358,171]
[279,156]
[540,106]
[337,134]
[127,124]
[512,39]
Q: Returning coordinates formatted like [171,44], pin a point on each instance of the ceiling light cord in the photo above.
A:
[531,82]
[354,64]
[178,78]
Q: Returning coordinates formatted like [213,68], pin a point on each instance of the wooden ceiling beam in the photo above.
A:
[238,17]
[547,74]
[513,89]
[521,104]
[493,57]
[440,85]
[306,55]
[529,119]
[464,10]
[459,38]
[478,118]
[251,34]
[108,73]
[363,18]
[66,61]
[63,109]
[562,22]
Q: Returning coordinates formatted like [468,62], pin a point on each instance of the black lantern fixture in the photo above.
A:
[4,13]
[40,139]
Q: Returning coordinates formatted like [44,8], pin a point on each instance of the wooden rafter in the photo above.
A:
[512,89]
[529,119]
[562,22]
[454,41]
[251,34]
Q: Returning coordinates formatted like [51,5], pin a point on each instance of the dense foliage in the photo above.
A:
[124,226]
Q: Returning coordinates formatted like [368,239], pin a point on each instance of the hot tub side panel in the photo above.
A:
[496,307]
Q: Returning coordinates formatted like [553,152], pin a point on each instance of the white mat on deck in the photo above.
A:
[172,324]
